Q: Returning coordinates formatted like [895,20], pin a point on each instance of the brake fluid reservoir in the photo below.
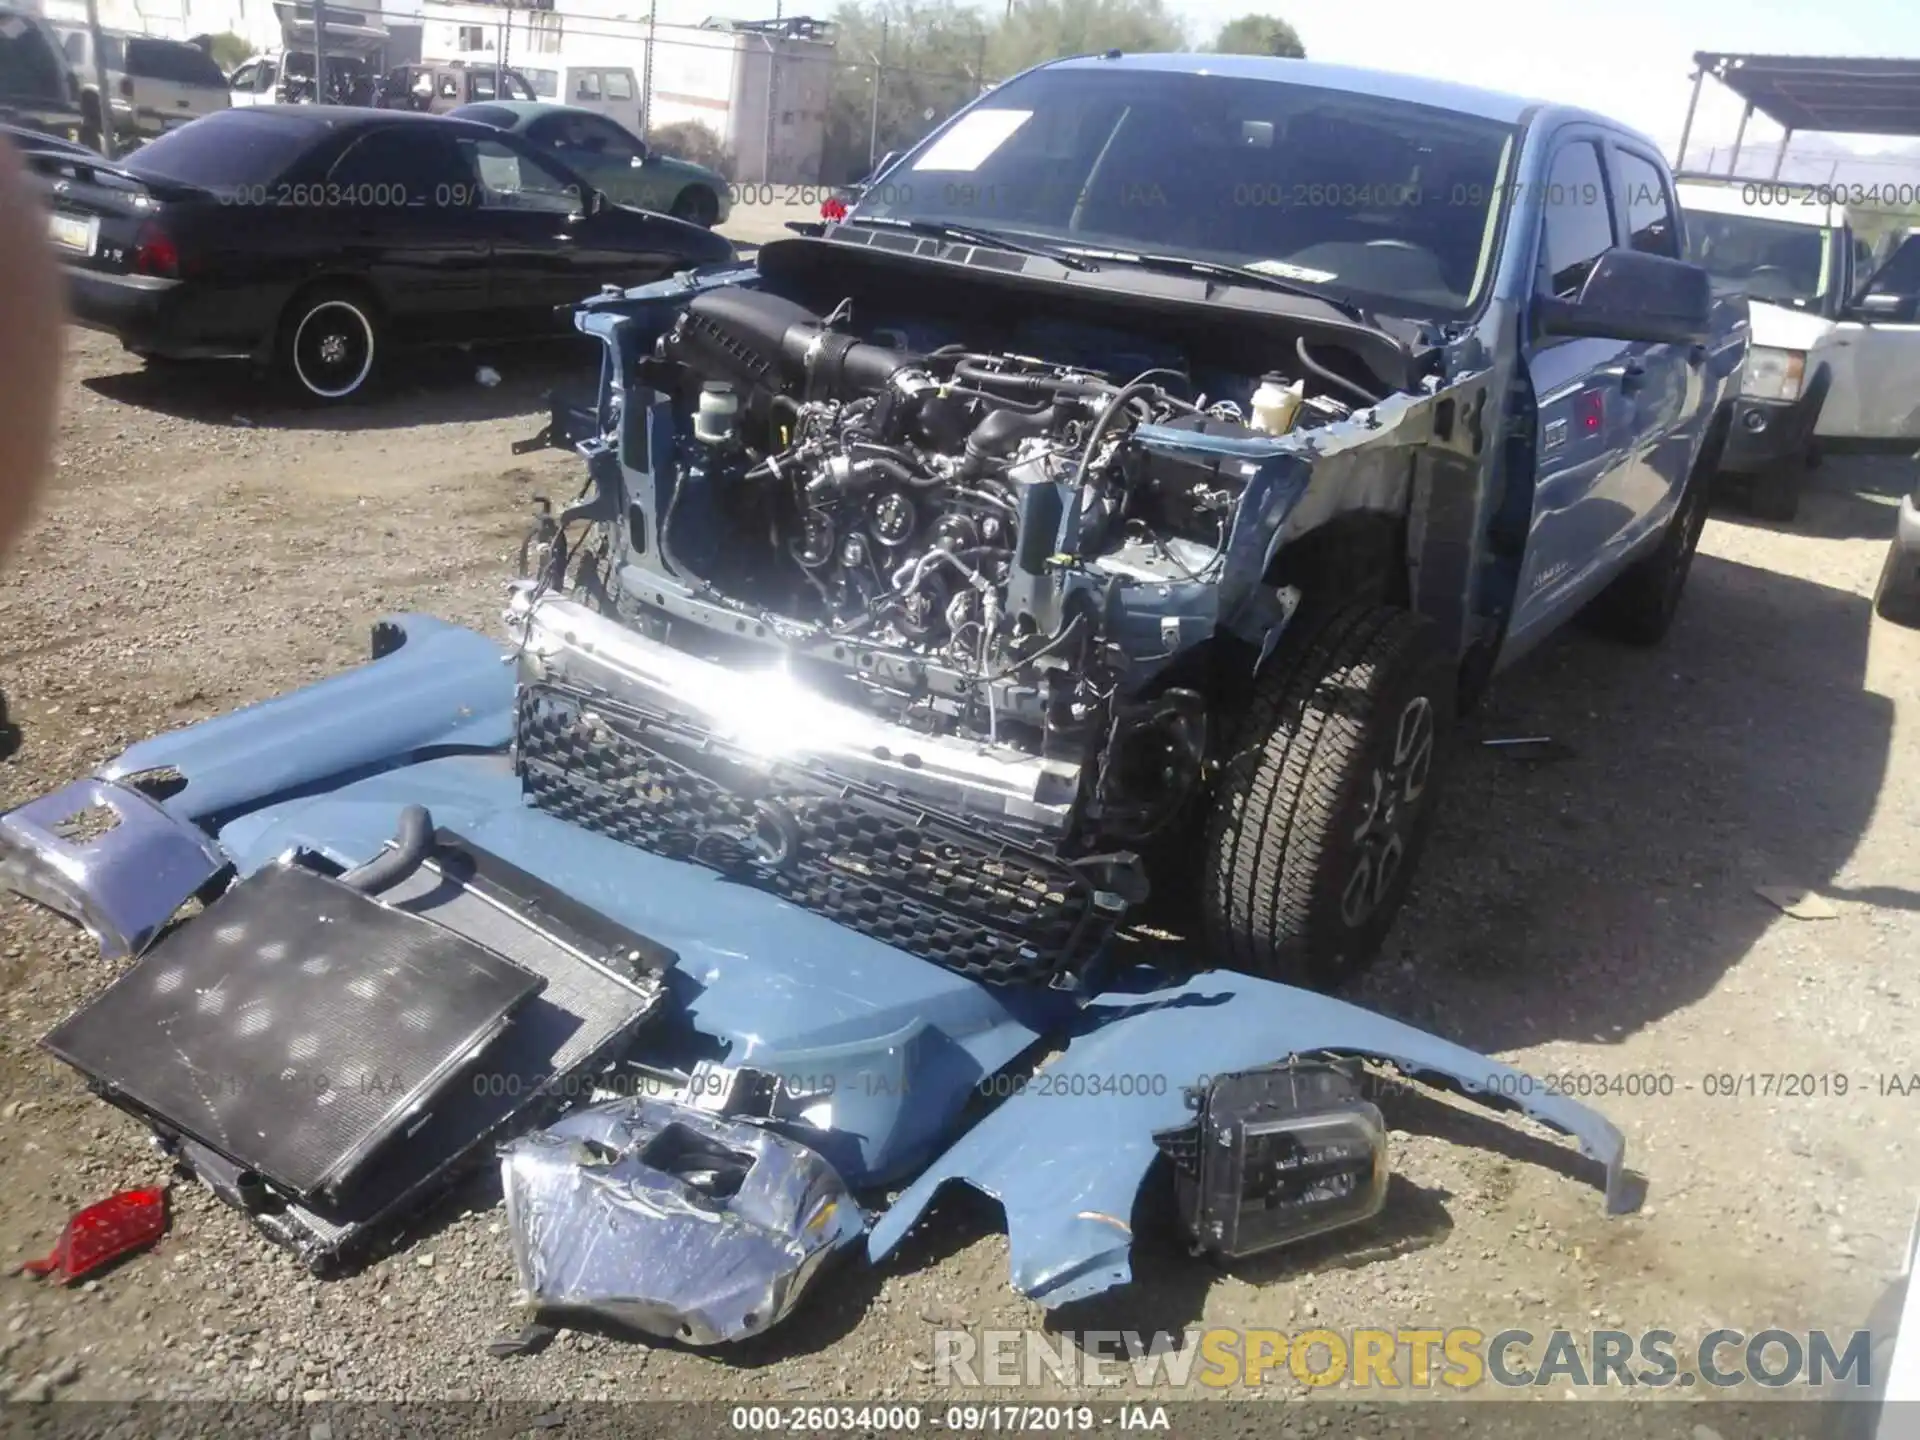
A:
[1276,404]
[714,417]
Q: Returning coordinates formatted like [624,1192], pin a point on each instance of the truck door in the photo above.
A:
[1874,356]
[1659,384]
[1583,422]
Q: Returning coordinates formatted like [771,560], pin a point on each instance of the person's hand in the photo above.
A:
[32,313]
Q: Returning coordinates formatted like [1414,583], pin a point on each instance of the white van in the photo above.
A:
[1835,346]
[609,90]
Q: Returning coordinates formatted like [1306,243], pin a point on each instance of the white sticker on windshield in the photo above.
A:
[974,137]
[1285,271]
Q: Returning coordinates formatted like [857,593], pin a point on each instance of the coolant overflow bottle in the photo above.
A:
[714,417]
[1276,404]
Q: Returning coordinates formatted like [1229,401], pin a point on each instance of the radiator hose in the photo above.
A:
[411,845]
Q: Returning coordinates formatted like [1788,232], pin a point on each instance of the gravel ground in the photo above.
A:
[1593,914]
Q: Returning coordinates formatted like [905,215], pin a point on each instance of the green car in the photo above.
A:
[611,158]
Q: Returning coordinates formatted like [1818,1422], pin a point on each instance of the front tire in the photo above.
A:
[1776,490]
[331,345]
[1327,797]
[1896,597]
[92,132]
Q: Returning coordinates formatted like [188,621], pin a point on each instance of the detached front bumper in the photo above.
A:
[851,1064]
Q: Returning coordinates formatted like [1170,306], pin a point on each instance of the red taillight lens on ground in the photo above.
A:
[102,1233]
[154,252]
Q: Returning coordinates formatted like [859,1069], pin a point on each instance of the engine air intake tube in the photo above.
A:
[759,339]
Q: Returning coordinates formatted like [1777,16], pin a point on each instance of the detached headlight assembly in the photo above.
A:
[1772,374]
[1276,1155]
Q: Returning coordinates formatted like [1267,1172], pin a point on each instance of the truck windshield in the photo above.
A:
[1385,203]
[1773,260]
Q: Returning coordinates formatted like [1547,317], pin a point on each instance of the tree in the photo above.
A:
[934,54]
[1036,30]
[1259,35]
[940,54]
[229,51]
[691,140]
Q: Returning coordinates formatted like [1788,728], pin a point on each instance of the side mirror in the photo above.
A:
[1629,295]
[1880,305]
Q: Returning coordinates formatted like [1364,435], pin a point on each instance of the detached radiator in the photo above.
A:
[994,910]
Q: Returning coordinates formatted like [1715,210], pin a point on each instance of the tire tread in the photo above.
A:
[1282,789]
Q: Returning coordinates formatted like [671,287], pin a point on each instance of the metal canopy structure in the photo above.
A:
[1841,95]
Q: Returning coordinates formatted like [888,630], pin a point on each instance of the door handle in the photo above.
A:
[1629,374]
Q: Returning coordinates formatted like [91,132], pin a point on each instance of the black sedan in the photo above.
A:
[317,239]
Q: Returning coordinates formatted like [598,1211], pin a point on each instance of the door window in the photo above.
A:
[244,78]
[401,167]
[586,85]
[510,180]
[1578,220]
[1899,278]
[1862,260]
[480,86]
[619,85]
[1650,227]
[599,136]
[175,62]
[449,86]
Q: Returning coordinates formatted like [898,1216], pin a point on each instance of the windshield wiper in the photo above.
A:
[1221,270]
[966,235]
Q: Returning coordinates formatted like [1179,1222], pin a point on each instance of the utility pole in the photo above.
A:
[646,71]
[506,50]
[320,95]
[100,78]
[873,123]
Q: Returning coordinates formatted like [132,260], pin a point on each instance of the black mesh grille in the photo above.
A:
[993,910]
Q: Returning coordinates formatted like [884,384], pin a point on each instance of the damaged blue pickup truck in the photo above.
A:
[1105,522]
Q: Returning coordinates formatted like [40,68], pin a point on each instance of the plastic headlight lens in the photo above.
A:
[1773,374]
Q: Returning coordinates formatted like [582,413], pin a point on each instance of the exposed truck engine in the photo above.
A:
[976,512]
[986,600]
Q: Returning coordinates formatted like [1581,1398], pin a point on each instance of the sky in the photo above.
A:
[1629,59]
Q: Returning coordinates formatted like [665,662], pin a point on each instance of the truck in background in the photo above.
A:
[1835,352]
[1834,358]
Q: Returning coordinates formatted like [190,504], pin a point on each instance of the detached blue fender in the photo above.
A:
[431,687]
[1066,1155]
